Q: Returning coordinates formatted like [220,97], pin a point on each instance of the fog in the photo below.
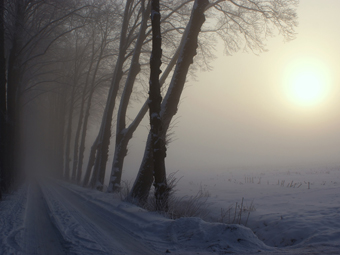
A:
[253,151]
[239,115]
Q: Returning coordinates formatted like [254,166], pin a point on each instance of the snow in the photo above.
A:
[153,13]
[286,216]
[154,115]
[12,214]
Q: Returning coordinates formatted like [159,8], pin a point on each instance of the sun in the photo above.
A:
[307,88]
[306,83]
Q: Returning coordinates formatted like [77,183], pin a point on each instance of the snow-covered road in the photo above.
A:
[103,226]
[59,218]
[51,219]
[60,221]
[40,234]
[54,217]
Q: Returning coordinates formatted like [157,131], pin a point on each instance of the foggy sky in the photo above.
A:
[239,115]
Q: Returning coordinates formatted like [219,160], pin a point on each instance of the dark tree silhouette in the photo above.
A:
[155,100]
[168,109]
[3,124]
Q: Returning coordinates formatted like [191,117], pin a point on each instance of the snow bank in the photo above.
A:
[184,235]
[79,241]
[295,208]
[196,234]
[12,217]
[295,212]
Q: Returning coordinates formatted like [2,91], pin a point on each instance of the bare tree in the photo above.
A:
[78,67]
[242,24]
[188,51]
[173,22]
[104,36]
[32,27]
[124,132]
[123,135]
[155,99]
[99,150]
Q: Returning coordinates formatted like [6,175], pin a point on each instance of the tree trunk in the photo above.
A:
[82,145]
[3,108]
[77,174]
[146,168]
[155,100]
[141,187]
[105,129]
[57,118]
[86,119]
[92,158]
[14,78]
[69,135]
[117,164]
[142,184]
[59,136]
[123,135]
[126,134]
[78,61]
[76,142]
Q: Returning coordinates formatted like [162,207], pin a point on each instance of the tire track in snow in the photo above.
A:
[11,221]
[14,240]
[78,239]
[40,234]
[104,225]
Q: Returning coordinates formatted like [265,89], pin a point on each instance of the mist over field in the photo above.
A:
[183,127]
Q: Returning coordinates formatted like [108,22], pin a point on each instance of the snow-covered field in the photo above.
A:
[296,210]
[285,212]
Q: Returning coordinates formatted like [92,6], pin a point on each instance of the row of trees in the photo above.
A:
[28,30]
[79,62]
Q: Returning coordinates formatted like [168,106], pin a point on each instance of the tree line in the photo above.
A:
[71,64]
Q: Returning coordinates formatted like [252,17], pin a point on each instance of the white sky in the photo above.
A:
[239,114]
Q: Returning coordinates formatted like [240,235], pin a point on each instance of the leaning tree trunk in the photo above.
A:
[141,187]
[126,134]
[92,158]
[123,135]
[105,132]
[104,135]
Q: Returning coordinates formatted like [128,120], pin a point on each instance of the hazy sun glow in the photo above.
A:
[306,82]
[307,88]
